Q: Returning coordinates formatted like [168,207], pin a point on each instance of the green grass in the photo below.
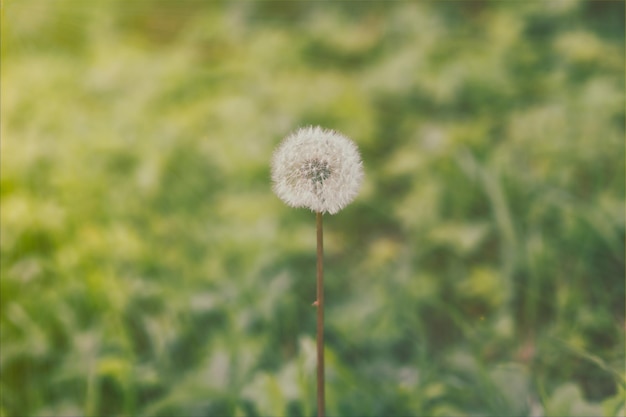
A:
[148,269]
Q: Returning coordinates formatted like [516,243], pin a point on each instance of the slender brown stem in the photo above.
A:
[320,317]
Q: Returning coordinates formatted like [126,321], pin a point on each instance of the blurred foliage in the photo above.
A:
[147,268]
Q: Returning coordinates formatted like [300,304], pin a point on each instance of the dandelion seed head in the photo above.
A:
[318,169]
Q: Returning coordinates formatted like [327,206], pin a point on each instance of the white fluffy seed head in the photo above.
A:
[318,169]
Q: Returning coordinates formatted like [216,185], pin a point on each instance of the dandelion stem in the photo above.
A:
[320,317]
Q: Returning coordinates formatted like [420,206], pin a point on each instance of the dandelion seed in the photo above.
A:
[318,169]
[322,170]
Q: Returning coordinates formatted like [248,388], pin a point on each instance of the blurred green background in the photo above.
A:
[148,269]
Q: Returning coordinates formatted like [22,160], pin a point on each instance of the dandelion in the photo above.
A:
[321,170]
[318,169]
